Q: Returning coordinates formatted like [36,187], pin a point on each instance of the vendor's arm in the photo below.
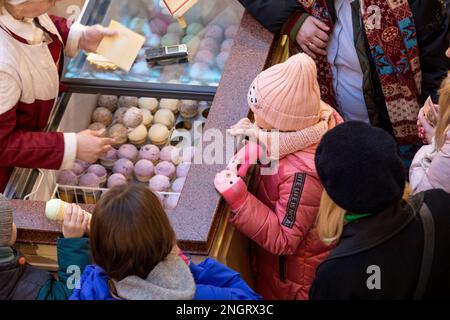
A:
[78,36]
[29,149]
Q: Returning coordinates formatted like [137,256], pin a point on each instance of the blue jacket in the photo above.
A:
[214,282]
[217,282]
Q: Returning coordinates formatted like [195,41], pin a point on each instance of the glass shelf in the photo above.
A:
[212,25]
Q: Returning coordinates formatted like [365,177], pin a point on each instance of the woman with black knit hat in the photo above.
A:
[387,248]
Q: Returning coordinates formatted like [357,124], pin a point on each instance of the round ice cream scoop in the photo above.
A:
[205,56]
[194,28]
[214,31]
[158,26]
[147,118]
[124,167]
[99,171]
[170,104]
[183,169]
[119,114]
[89,180]
[103,116]
[138,136]
[165,168]
[55,210]
[210,44]
[178,184]
[171,202]
[128,102]
[149,152]
[107,101]
[222,59]
[116,179]
[159,183]
[133,117]
[67,178]
[84,164]
[97,126]
[170,39]
[119,133]
[128,151]
[78,169]
[198,70]
[231,31]
[108,159]
[144,170]
[150,104]
[164,117]
[174,27]
[158,134]
[188,108]
[170,153]
[227,45]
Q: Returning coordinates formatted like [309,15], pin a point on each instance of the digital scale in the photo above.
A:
[167,55]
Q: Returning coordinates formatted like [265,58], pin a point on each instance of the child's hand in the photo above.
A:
[245,158]
[426,130]
[231,187]
[76,222]
[93,35]
[244,128]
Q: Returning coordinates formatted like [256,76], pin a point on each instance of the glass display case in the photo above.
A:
[211,28]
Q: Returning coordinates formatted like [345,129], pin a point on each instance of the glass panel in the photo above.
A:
[212,25]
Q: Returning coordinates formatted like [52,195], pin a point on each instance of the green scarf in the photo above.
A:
[350,217]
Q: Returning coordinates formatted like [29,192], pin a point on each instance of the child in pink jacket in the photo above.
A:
[280,217]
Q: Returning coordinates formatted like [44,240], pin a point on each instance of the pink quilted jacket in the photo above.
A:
[280,219]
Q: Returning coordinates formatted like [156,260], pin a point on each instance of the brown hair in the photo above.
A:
[443,125]
[130,232]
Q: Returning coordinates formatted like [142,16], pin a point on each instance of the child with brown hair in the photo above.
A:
[136,256]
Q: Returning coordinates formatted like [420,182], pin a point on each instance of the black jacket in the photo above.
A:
[392,241]
[432,23]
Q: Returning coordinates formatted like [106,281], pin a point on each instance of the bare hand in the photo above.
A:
[76,222]
[92,37]
[313,38]
[426,131]
[90,145]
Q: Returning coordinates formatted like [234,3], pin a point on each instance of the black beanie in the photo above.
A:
[360,168]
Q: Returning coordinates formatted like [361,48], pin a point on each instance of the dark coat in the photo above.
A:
[21,281]
[432,23]
[392,241]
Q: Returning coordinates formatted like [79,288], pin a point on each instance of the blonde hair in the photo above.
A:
[330,220]
[443,124]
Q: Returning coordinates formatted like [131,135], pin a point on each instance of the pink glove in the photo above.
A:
[232,188]
[246,157]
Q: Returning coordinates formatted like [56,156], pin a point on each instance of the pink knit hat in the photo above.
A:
[287,96]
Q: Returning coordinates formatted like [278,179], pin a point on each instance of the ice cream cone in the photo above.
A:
[55,210]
